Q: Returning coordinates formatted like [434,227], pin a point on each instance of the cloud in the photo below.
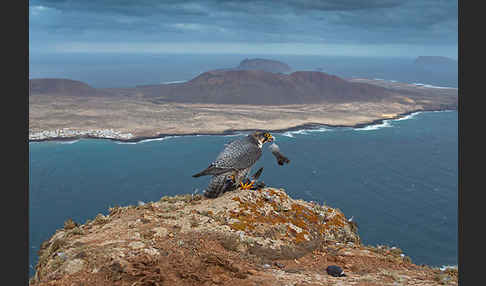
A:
[35,10]
[374,50]
[338,5]
[338,22]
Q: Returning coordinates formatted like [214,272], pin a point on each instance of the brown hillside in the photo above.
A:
[260,87]
[58,86]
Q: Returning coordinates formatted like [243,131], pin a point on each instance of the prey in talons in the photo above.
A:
[253,184]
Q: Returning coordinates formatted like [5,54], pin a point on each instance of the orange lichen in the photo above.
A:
[291,230]
[300,237]
[299,222]
[253,213]
[238,226]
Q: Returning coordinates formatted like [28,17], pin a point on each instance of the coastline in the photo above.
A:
[310,125]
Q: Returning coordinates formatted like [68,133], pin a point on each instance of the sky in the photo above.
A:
[387,28]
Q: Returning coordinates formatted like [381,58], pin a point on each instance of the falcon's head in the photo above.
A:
[262,137]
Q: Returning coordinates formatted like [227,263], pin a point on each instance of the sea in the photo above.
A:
[114,70]
[397,179]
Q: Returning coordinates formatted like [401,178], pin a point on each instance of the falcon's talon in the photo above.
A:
[246,186]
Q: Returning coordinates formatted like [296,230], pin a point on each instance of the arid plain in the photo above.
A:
[147,117]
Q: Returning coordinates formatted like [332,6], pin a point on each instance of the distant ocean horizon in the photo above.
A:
[128,70]
[397,179]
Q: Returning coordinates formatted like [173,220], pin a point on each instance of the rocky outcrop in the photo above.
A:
[261,237]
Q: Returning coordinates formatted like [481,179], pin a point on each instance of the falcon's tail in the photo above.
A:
[211,170]
[203,173]
[257,174]
[198,175]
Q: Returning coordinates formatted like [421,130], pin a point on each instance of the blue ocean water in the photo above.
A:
[399,179]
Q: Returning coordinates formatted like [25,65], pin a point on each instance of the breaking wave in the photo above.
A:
[305,131]
[432,86]
[158,139]
[409,116]
[175,81]
[67,142]
[146,140]
[125,143]
[384,124]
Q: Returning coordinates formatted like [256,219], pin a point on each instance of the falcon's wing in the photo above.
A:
[239,154]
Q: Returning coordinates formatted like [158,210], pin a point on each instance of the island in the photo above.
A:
[261,237]
[222,102]
[264,65]
[436,62]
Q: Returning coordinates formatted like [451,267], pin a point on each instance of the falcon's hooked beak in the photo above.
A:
[268,137]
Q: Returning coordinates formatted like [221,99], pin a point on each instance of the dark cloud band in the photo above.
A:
[326,21]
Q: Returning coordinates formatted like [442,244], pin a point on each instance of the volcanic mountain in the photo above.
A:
[266,88]
[264,65]
[59,86]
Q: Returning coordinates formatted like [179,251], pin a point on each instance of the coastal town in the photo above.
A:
[70,133]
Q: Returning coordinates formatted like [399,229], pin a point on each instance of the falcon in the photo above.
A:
[234,163]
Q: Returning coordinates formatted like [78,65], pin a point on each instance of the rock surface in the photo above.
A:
[261,237]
